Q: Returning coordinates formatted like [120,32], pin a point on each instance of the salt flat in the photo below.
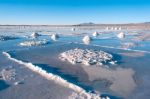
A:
[125,79]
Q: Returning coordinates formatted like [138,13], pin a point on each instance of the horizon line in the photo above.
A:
[85,23]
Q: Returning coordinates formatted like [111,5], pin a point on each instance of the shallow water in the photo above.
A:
[47,58]
[133,63]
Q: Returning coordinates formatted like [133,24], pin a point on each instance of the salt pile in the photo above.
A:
[112,28]
[86,39]
[87,57]
[73,29]
[121,35]
[115,28]
[119,28]
[54,37]
[95,34]
[34,43]
[107,28]
[35,35]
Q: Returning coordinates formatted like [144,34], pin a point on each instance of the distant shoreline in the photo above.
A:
[82,24]
[129,26]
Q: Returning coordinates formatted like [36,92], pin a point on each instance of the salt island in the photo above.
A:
[34,43]
[87,57]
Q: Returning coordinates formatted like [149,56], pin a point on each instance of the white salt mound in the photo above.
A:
[112,28]
[107,28]
[115,28]
[87,57]
[35,35]
[73,29]
[34,43]
[119,28]
[121,35]
[95,34]
[54,37]
[86,39]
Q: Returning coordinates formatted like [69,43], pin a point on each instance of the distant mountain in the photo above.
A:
[91,24]
[147,22]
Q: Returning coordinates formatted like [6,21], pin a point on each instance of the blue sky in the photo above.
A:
[73,11]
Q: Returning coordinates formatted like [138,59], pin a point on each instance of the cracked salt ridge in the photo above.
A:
[55,78]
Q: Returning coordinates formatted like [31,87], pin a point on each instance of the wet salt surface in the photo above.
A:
[91,78]
[38,85]
[47,58]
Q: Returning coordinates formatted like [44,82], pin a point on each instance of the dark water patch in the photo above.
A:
[117,58]
[13,54]
[3,85]
[5,38]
